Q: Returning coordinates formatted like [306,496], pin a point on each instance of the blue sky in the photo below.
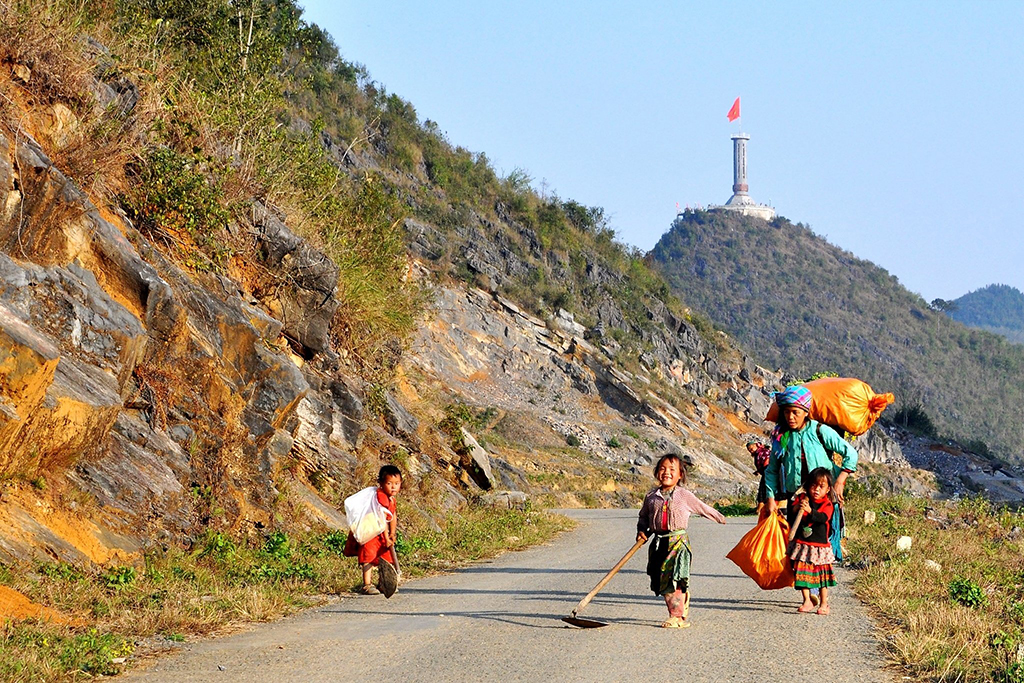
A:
[888,127]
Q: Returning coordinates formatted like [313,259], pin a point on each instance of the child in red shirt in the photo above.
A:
[810,548]
[389,483]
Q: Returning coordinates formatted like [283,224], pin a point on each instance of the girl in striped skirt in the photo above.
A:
[664,516]
[809,548]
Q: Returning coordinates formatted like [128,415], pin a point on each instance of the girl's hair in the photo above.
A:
[388,471]
[816,475]
[667,458]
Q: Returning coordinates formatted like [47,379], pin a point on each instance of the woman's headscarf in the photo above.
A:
[797,395]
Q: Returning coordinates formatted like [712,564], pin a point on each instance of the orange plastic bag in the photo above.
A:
[842,402]
[761,554]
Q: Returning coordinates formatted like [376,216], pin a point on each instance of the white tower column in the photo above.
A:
[740,200]
[739,163]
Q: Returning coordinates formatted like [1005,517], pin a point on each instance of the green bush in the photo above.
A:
[967,593]
[119,578]
[278,546]
[915,419]
[172,198]
[60,571]
[218,545]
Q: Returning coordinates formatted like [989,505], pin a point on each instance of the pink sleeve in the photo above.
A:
[703,509]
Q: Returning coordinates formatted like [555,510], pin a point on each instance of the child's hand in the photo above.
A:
[641,536]
[805,506]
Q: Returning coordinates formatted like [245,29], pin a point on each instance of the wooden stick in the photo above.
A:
[608,577]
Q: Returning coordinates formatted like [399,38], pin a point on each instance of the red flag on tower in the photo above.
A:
[734,113]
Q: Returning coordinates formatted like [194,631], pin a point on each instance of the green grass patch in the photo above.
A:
[184,593]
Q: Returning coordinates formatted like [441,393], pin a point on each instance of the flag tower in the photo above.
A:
[740,201]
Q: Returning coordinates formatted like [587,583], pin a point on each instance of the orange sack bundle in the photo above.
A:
[842,402]
[761,554]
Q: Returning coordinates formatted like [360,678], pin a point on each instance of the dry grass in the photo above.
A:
[47,37]
[221,583]
[964,621]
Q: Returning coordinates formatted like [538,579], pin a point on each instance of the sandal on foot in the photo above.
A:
[803,610]
[823,611]
[814,600]
[675,622]
[369,590]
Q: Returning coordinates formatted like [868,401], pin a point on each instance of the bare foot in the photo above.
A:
[823,610]
[805,608]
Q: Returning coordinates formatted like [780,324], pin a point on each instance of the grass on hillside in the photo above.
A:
[961,619]
[800,303]
[184,594]
[210,133]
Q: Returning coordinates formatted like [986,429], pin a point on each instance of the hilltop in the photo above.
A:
[800,303]
[996,308]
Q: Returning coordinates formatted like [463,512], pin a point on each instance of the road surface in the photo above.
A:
[501,620]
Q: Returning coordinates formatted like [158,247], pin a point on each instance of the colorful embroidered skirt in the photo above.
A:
[812,566]
[668,562]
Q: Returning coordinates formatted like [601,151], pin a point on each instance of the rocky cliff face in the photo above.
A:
[490,352]
[171,400]
[144,401]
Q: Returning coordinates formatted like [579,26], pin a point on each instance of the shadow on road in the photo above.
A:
[485,569]
[527,620]
[740,605]
[547,595]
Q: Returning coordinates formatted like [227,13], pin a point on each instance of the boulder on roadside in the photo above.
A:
[477,463]
[512,500]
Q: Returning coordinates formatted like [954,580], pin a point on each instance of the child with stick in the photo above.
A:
[810,549]
[664,515]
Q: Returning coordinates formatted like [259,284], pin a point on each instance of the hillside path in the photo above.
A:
[500,620]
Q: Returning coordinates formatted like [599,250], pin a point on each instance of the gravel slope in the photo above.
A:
[501,620]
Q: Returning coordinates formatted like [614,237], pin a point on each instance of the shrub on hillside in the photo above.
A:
[915,419]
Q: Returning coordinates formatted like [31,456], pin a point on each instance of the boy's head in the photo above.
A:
[670,470]
[390,479]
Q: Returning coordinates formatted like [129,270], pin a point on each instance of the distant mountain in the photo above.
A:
[996,308]
[800,303]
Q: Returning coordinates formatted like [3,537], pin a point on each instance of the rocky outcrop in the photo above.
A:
[492,353]
[877,447]
[304,280]
[477,462]
[165,395]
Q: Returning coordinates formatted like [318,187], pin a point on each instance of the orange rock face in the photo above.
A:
[15,606]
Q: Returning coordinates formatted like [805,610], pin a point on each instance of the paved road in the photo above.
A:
[500,620]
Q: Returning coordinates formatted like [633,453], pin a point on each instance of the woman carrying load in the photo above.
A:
[800,445]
